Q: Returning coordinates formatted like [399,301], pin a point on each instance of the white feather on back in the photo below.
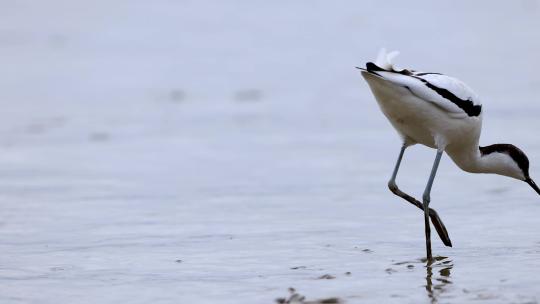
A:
[384,59]
[455,86]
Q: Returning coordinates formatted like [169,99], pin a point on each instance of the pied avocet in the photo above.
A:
[443,113]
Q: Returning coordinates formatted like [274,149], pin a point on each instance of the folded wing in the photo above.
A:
[447,93]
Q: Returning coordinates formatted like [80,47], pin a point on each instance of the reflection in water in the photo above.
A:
[437,285]
[438,278]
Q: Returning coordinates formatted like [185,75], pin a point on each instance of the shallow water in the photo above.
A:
[203,152]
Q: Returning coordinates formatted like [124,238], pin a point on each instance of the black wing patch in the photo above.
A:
[466,105]
[427,73]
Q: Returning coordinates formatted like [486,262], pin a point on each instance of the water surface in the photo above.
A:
[212,152]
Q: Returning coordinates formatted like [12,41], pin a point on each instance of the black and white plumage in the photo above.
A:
[443,113]
[452,95]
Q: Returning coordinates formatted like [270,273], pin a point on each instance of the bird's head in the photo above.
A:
[509,160]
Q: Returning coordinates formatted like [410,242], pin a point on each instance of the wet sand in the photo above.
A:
[212,152]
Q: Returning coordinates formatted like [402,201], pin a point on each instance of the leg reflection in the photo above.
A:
[438,284]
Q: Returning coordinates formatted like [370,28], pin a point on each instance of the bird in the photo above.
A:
[442,113]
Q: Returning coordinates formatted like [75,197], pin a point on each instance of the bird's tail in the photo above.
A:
[384,59]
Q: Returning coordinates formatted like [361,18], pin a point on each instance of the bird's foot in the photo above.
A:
[439,227]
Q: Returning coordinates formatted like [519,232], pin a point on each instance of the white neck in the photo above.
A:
[472,160]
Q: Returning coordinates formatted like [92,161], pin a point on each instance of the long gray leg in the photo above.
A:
[435,219]
[426,199]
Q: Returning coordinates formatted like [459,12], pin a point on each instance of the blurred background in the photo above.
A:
[202,151]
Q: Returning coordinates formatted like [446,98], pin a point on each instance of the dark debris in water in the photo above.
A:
[177,95]
[298,267]
[43,125]
[296,298]
[326,277]
[99,136]
[248,95]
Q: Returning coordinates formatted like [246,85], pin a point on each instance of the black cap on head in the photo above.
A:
[517,155]
[514,152]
